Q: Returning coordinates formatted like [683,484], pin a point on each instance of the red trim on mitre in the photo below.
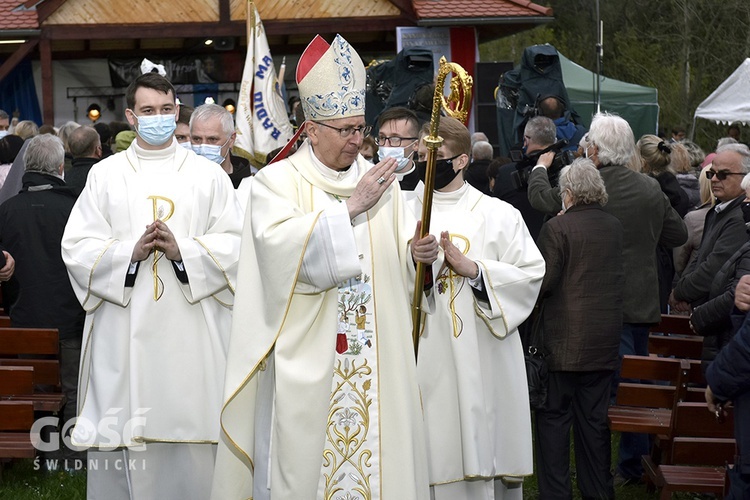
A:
[286,150]
[310,57]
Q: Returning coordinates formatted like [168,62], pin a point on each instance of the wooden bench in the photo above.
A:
[35,349]
[17,384]
[4,321]
[677,346]
[700,449]
[646,407]
[16,419]
[673,337]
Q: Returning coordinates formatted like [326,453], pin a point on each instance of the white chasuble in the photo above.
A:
[321,393]
[154,353]
[471,366]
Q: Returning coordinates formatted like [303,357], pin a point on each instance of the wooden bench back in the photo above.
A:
[46,371]
[673,323]
[677,346]
[31,341]
[16,380]
[653,373]
[16,415]
[694,420]
[4,321]
[699,438]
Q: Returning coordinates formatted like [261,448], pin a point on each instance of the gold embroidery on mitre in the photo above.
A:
[159,213]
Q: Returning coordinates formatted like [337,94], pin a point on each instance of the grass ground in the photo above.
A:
[22,481]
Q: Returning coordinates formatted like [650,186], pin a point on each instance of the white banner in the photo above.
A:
[262,122]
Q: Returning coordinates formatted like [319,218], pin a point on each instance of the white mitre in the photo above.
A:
[331,80]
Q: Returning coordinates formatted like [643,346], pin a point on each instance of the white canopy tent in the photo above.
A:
[730,102]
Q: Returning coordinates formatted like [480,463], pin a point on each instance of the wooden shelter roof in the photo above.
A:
[80,29]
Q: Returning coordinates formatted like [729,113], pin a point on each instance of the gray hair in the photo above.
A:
[613,138]
[741,150]
[541,130]
[64,132]
[725,141]
[4,115]
[482,150]
[584,183]
[45,154]
[207,111]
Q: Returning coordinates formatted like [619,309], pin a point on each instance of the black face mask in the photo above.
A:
[444,172]
[745,206]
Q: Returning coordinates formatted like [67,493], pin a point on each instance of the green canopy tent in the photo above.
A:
[639,105]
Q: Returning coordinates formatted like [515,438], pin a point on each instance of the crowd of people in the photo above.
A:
[236,332]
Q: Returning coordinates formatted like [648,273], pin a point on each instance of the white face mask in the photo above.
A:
[211,151]
[3,133]
[186,145]
[397,153]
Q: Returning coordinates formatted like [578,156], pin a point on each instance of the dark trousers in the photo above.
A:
[70,358]
[739,485]
[633,340]
[578,400]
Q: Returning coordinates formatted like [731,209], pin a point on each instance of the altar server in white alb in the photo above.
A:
[151,249]
[322,398]
[471,364]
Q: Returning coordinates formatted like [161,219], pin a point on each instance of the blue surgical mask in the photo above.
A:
[397,153]
[210,151]
[156,129]
[186,145]
[3,133]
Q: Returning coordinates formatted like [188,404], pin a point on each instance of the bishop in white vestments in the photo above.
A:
[151,248]
[471,365]
[322,400]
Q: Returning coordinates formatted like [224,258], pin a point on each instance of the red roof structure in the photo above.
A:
[478,9]
[14,16]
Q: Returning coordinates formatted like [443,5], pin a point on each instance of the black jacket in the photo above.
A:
[723,234]
[729,379]
[712,319]
[75,178]
[31,229]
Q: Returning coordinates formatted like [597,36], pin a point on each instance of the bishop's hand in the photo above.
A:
[371,187]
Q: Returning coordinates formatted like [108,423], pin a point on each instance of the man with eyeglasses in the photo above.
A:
[321,392]
[724,230]
[398,137]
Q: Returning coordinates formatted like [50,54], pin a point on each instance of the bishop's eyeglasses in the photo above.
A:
[347,131]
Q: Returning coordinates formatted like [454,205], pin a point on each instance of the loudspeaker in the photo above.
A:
[224,43]
[487,76]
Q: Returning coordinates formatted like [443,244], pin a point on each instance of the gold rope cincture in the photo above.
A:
[449,277]
[159,215]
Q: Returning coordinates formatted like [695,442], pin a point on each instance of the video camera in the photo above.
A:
[525,163]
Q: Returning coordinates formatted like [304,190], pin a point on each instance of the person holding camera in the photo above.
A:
[511,186]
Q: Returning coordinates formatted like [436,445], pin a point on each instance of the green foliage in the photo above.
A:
[684,48]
